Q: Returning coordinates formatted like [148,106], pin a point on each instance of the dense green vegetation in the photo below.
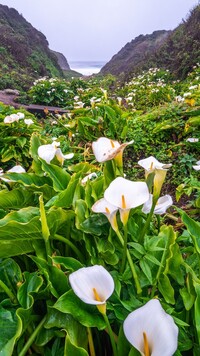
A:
[55,176]
[99,209]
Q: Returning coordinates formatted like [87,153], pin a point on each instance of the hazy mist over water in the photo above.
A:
[87,67]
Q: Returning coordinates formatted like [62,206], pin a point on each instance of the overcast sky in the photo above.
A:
[98,29]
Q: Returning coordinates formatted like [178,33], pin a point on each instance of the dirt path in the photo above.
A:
[8,99]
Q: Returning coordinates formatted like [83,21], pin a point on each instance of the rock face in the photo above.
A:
[135,52]
[62,61]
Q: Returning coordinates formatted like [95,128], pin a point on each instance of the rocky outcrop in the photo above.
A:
[62,61]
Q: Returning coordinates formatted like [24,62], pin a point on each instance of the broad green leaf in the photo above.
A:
[87,315]
[10,274]
[95,224]
[15,199]
[9,329]
[69,263]
[166,289]
[56,278]
[65,198]
[146,270]
[197,309]
[18,230]
[193,228]
[58,175]
[123,345]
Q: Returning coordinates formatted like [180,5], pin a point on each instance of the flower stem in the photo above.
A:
[131,264]
[8,292]
[147,223]
[32,337]
[91,343]
[70,244]
[125,249]
[111,335]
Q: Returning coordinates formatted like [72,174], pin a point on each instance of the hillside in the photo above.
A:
[177,50]
[24,52]
[134,53]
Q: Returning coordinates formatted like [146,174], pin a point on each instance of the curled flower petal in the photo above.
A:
[93,285]
[47,152]
[150,327]
[162,205]
[151,163]
[197,166]
[109,210]
[106,149]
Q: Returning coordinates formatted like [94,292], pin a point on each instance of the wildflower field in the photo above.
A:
[99,218]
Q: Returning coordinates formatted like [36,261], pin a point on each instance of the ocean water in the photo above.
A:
[87,67]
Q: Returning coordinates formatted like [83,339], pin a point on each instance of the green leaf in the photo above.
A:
[197,309]
[193,228]
[18,230]
[87,315]
[166,289]
[146,270]
[15,199]
[58,175]
[9,329]
[69,263]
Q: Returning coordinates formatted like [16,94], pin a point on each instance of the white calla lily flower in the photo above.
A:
[192,139]
[48,152]
[151,330]
[125,195]
[11,118]
[197,166]
[106,149]
[162,205]
[109,210]
[93,285]
[152,165]
[28,122]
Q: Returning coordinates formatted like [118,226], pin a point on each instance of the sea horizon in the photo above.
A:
[87,67]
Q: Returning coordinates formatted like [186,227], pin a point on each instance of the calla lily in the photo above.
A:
[197,167]
[48,152]
[11,118]
[93,285]
[151,330]
[192,139]
[28,122]
[152,165]
[109,210]
[126,195]
[105,149]
[162,205]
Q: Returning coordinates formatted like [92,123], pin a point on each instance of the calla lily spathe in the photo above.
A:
[93,285]
[106,149]
[151,330]
[197,166]
[152,165]
[109,210]
[162,205]
[125,195]
[48,152]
